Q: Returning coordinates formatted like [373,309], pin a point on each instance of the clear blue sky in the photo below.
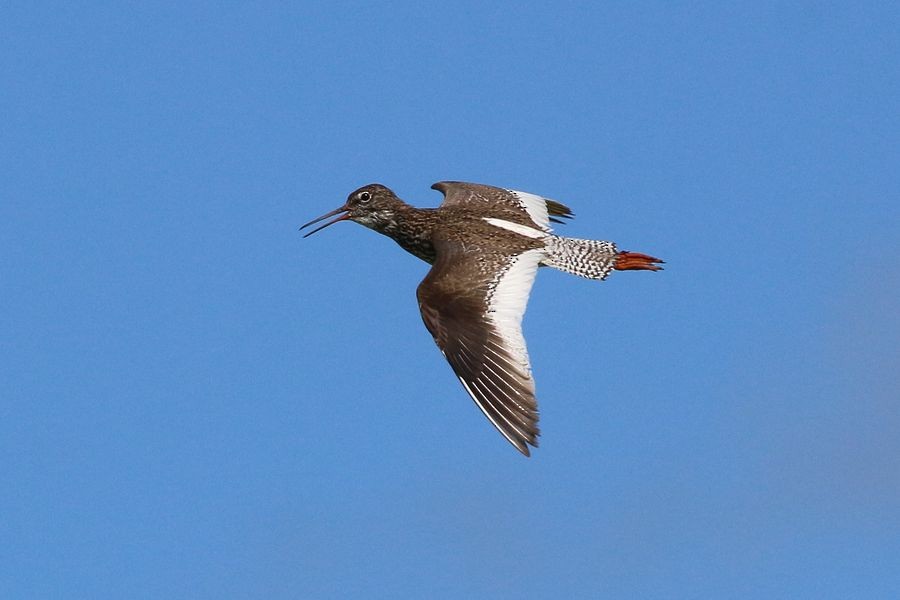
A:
[197,403]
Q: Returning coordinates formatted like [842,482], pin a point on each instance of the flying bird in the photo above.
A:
[484,245]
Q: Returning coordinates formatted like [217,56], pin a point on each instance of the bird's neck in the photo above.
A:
[411,228]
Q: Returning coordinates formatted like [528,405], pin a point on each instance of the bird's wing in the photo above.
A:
[472,304]
[518,207]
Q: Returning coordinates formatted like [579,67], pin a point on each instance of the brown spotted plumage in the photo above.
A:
[485,245]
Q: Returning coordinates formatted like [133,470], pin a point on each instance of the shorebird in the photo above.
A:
[485,245]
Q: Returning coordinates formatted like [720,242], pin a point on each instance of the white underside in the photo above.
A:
[507,303]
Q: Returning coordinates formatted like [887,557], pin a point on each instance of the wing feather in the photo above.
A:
[519,207]
[473,308]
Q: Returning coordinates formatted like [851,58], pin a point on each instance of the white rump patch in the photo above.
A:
[506,305]
[535,206]
[516,227]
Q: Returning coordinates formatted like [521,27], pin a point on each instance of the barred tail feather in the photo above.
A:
[586,258]
[594,259]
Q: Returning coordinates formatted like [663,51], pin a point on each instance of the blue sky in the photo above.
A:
[198,403]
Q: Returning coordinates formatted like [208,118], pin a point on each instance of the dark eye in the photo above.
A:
[365,197]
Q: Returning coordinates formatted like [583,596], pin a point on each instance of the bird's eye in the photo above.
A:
[365,197]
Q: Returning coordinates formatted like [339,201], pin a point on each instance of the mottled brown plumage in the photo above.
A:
[485,245]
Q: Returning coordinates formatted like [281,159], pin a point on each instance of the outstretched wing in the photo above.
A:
[473,305]
[518,207]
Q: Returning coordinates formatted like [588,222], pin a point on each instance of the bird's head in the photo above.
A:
[373,205]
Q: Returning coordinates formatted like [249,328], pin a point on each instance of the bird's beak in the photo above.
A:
[336,211]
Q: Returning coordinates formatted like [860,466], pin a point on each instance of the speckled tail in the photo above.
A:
[586,258]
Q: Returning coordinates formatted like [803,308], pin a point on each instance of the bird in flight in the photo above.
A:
[484,245]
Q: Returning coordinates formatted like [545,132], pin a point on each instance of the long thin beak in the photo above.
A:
[336,211]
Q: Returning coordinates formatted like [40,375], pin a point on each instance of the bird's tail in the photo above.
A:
[594,259]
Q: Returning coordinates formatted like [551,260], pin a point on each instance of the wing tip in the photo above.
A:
[558,211]
[443,186]
[522,445]
[519,437]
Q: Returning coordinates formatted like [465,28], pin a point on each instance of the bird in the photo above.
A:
[484,245]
